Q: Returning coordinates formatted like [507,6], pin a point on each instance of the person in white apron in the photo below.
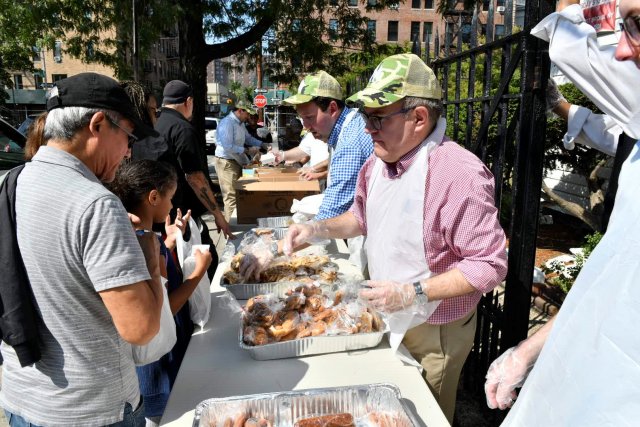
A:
[425,204]
[585,363]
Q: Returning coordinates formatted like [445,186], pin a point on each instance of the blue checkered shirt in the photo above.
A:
[350,152]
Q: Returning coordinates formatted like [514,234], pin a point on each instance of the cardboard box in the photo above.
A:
[267,197]
[275,170]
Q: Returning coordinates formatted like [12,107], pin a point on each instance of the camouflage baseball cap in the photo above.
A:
[242,105]
[396,77]
[315,85]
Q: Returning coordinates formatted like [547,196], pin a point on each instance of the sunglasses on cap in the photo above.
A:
[132,137]
[631,27]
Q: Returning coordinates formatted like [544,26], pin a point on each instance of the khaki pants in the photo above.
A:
[442,351]
[228,172]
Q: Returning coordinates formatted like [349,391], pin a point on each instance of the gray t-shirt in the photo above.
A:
[76,240]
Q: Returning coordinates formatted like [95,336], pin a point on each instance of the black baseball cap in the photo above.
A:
[176,92]
[94,90]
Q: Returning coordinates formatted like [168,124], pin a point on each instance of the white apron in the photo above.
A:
[395,243]
[588,373]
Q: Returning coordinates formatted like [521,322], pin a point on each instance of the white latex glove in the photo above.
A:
[506,373]
[388,296]
[553,95]
[313,232]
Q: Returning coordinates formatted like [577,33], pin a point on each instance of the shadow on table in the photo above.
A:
[409,406]
[216,367]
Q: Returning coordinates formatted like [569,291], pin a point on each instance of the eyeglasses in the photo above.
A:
[631,27]
[376,121]
[132,137]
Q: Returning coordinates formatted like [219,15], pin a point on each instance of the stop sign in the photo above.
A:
[260,101]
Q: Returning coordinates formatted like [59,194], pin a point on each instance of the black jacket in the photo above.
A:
[18,316]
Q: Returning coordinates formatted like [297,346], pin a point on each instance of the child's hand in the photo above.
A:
[181,223]
[203,261]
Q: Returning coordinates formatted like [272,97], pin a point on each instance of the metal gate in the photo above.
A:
[495,105]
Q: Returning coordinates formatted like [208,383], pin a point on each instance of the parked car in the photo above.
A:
[11,147]
[210,126]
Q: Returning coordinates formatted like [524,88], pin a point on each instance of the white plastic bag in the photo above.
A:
[164,340]
[200,299]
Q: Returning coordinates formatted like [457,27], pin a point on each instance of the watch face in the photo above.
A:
[418,288]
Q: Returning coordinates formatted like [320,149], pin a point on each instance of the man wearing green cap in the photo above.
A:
[231,137]
[319,103]
[426,206]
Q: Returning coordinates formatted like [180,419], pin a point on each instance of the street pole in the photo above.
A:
[259,76]
[44,67]
[134,56]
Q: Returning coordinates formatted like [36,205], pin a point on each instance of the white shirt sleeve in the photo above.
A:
[597,131]
[574,48]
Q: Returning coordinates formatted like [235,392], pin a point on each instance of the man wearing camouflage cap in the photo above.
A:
[426,205]
[319,103]
[231,137]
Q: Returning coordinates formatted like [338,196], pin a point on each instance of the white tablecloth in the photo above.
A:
[215,366]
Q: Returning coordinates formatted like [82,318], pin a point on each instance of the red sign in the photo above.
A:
[260,101]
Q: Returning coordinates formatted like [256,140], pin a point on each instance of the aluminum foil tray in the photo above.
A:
[312,345]
[275,221]
[284,409]
[244,291]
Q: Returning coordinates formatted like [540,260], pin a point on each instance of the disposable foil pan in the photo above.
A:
[275,221]
[284,409]
[244,291]
[312,345]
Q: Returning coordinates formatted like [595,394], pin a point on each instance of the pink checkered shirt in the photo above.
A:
[460,226]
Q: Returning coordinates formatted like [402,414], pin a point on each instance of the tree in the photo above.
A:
[299,36]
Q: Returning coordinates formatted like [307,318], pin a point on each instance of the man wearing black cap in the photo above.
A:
[190,160]
[95,285]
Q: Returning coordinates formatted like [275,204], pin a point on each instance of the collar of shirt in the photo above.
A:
[395,170]
[335,132]
[234,117]
[59,157]
[174,113]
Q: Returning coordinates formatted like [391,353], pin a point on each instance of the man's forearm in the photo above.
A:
[200,185]
[446,285]
[342,226]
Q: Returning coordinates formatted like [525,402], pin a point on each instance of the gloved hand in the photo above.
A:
[313,232]
[256,258]
[388,296]
[553,95]
[506,373]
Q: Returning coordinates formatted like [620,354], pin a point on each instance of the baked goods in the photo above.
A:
[335,420]
[243,420]
[306,311]
[303,269]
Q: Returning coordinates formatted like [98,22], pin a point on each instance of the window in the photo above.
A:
[499,31]
[415,4]
[372,2]
[427,31]
[38,78]
[394,6]
[371,29]
[17,81]
[485,5]
[56,77]
[415,31]
[333,2]
[392,31]
[499,2]
[35,53]
[333,29]
[353,3]
[57,52]
[428,4]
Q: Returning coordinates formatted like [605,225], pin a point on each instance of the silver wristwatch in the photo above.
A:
[418,288]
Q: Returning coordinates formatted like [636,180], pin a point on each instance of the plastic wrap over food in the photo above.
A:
[308,319]
[374,405]
[275,222]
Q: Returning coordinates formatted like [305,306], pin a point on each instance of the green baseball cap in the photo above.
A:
[396,77]
[315,85]
[242,105]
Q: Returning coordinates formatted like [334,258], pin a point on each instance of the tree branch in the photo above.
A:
[573,208]
[243,41]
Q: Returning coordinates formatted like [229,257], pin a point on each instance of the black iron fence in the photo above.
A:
[494,102]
